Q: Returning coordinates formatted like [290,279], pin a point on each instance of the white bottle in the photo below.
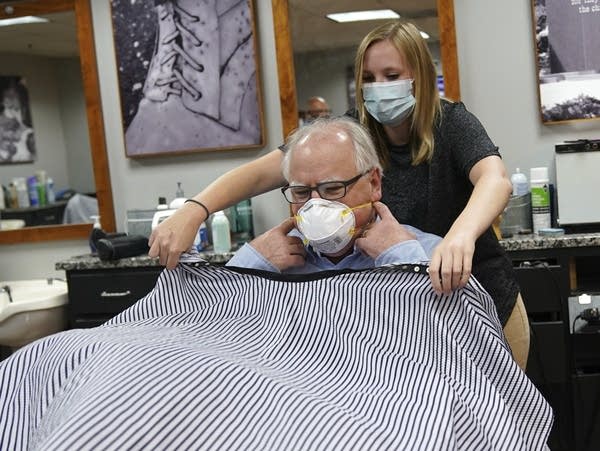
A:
[221,233]
[2,203]
[162,204]
[179,198]
[519,183]
[540,199]
[22,192]
[50,195]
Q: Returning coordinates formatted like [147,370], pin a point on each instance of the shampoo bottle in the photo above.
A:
[244,217]
[221,233]
[50,195]
[162,204]
[179,198]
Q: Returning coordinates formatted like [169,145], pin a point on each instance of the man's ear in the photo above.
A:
[375,181]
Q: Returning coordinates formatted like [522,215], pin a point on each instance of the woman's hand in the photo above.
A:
[176,234]
[451,263]
[452,260]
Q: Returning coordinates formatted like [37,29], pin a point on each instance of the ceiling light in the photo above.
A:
[356,16]
[424,35]
[22,20]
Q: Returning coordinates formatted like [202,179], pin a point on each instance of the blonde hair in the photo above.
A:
[406,38]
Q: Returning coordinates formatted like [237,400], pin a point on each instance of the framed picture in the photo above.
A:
[17,143]
[188,76]
[567,33]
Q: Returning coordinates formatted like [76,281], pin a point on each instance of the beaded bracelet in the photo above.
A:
[194,201]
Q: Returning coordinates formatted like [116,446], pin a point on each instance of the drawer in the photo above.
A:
[106,293]
[586,411]
[541,288]
[586,351]
[547,361]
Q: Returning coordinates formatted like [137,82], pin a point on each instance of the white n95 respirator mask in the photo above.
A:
[328,226]
[389,102]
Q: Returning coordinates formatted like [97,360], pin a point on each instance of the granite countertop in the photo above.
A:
[89,261]
[533,242]
[516,243]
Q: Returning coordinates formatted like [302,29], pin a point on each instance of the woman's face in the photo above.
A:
[383,62]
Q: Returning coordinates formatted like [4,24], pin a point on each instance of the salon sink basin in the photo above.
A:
[31,309]
[11,224]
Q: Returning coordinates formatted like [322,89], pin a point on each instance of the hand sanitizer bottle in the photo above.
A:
[221,233]
[179,198]
[97,233]
[519,183]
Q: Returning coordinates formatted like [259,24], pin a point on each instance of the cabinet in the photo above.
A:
[564,366]
[543,286]
[37,216]
[96,295]
[99,290]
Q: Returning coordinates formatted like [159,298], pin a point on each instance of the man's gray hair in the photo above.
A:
[365,154]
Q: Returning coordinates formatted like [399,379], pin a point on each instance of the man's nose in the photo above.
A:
[315,194]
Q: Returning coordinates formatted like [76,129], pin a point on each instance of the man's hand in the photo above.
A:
[281,250]
[381,235]
[175,235]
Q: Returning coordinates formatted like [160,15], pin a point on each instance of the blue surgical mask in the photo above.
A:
[389,102]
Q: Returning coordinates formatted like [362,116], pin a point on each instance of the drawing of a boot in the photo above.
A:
[237,61]
[198,64]
[160,80]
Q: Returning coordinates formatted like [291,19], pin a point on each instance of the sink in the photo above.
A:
[11,224]
[31,309]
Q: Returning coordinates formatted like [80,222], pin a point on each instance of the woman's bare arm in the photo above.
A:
[453,258]
[176,234]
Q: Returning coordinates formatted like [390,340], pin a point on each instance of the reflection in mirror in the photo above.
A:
[50,177]
[41,62]
[322,51]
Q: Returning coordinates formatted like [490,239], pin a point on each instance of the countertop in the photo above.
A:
[533,242]
[89,261]
[516,243]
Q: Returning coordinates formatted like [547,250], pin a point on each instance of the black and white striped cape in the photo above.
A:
[215,358]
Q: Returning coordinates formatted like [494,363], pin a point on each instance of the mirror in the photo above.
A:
[287,14]
[68,36]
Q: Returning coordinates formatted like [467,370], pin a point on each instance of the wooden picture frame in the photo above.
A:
[188,78]
[567,60]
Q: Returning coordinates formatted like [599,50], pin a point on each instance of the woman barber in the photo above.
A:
[443,174]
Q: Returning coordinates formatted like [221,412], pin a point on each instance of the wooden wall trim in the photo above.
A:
[91,89]
[285,66]
[85,35]
[285,59]
[448,49]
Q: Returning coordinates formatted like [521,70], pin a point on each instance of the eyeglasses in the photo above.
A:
[298,194]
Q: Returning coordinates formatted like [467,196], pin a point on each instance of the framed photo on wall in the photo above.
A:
[188,76]
[566,34]
[17,143]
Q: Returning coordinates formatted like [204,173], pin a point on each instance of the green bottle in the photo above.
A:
[244,218]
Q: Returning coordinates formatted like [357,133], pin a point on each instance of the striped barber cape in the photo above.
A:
[224,358]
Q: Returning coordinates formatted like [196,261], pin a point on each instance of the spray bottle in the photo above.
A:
[97,233]
[540,199]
